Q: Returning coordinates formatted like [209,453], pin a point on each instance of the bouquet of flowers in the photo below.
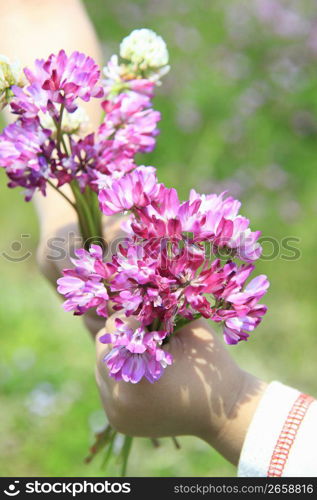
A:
[179,260]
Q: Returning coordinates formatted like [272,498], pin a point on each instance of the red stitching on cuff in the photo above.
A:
[288,435]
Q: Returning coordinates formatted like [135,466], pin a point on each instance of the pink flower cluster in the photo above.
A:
[60,80]
[177,263]
[84,285]
[33,154]
[179,260]
[136,353]
[158,212]
[25,152]
[129,127]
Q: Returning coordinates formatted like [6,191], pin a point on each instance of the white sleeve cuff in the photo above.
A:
[267,430]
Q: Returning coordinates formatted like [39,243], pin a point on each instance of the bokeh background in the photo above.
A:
[239,113]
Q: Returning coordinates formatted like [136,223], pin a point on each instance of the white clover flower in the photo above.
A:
[143,56]
[72,123]
[144,48]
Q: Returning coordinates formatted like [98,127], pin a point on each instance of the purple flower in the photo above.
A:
[135,354]
[209,218]
[130,122]
[90,263]
[135,189]
[135,287]
[253,291]
[83,294]
[238,328]
[240,310]
[162,280]
[98,159]
[164,271]
[129,127]
[112,159]
[25,151]
[222,224]
[62,79]
[158,219]
[93,162]
[84,286]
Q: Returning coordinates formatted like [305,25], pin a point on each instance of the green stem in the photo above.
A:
[59,126]
[80,199]
[93,203]
[155,325]
[64,145]
[109,449]
[84,229]
[125,454]
[176,443]
[90,222]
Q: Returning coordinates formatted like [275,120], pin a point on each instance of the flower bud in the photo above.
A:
[10,74]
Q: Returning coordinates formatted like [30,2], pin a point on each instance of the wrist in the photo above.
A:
[239,404]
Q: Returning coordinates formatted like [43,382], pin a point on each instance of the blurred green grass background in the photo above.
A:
[239,112]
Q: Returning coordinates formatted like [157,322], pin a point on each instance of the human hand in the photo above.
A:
[204,393]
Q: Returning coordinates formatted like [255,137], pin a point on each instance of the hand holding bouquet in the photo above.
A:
[179,260]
